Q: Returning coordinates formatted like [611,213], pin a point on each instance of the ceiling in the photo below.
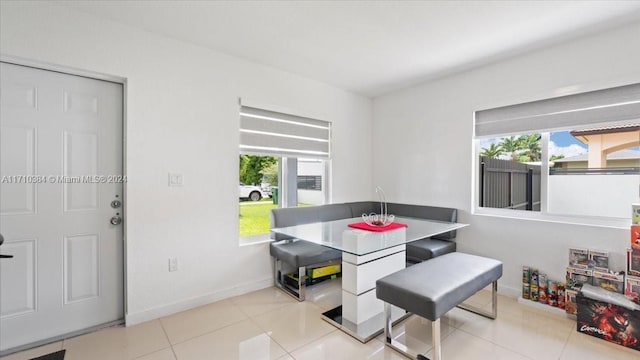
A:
[368,47]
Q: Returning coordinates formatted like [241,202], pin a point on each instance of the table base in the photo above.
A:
[366,330]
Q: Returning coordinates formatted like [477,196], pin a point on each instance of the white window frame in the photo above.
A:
[283,175]
[282,201]
[543,214]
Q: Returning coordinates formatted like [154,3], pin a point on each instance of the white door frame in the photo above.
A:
[105,77]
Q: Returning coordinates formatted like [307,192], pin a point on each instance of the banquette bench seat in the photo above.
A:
[294,255]
[432,288]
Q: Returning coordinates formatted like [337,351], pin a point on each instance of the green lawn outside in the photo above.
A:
[254,216]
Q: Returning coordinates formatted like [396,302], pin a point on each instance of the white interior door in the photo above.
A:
[58,134]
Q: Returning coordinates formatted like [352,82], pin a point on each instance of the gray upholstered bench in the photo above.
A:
[299,254]
[294,255]
[432,288]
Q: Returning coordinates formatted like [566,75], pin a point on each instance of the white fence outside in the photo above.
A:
[593,195]
[311,197]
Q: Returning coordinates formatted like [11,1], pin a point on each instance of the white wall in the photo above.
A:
[311,197]
[423,148]
[593,195]
[182,116]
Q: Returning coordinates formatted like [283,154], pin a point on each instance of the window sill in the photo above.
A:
[255,239]
[596,221]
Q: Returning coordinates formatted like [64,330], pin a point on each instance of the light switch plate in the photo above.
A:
[176,179]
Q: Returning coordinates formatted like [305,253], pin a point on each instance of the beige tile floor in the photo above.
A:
[268,324]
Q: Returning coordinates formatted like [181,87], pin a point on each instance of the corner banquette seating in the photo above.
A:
[295,255]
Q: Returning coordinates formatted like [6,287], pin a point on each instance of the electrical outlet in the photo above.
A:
[173,264]
[176,179]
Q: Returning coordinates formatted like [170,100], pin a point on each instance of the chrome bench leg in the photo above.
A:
[302,272]
[494,304]
[435,339]
[435,327]
[396,345]
[276,274]
[279,280]
[387,322]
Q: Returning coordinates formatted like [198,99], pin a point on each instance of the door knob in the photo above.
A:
[4,256]
[115,220]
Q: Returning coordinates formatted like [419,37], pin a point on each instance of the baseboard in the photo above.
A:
[517,294]
[509,291]
[56,338]
[186,304]
[543,307]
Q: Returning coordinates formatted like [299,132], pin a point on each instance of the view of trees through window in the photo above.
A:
[522,148]
[510,172]
[259,170]
[258,176]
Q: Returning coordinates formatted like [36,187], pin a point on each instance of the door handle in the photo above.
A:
[4,256]
[115,220]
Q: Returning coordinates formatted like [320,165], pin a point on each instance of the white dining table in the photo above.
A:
[366,257]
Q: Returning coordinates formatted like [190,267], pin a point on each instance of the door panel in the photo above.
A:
[80,158]
[67,271]
[81,267]
[22,298]
[17,157]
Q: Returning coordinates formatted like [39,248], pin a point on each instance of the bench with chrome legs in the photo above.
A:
[297,255]
[432,288]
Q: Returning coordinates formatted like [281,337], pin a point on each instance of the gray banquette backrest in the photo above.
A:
[284,217]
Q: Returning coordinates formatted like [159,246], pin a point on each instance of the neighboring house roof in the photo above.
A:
[606,130]
[618,155]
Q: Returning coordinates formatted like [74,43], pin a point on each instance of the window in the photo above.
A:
[510,172]
[309,182]
[277,150]
[575,155]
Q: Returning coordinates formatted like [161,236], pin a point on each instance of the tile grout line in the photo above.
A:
[287,351]
[495,344]
[208,332]
[247,317]
[566,342]
[270,337]
[168,340]
[205,333]
[314,340]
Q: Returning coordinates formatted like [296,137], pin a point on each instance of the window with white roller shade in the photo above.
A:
[572,156]
[265,132]
[613,105]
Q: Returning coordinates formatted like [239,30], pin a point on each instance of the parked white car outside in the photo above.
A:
[251,192]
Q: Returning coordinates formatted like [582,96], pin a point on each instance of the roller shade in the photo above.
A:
[595,107]
[265,132]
